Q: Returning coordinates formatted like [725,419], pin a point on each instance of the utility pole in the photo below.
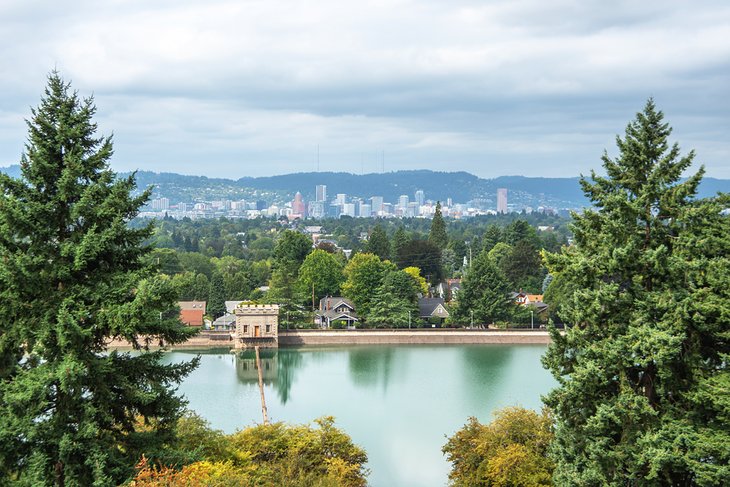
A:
[409,319]
[472,318]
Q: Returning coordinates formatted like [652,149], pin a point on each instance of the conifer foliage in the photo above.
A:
[71,278]
[643,371]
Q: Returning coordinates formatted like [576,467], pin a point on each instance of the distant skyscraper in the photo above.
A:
[449,202]
[348,209]
[403,201]
[297,206]
[316,209]
[376,204]
[502,200]
[420,197]
[321,192]
[365,210]
[341,198]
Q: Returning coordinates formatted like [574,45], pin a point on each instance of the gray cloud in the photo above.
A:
[251,88]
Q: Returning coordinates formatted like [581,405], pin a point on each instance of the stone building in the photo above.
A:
[257,324]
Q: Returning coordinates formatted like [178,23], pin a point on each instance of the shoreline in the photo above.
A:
[294,338]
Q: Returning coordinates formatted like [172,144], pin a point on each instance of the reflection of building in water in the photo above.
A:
[246,367]
[257,325]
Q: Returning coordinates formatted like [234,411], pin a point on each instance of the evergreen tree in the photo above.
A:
[216,306]
[364,274]
[378,243]
[492,236]
[400,239]
[437,235]
[484,292]
[72,277]
[643,373]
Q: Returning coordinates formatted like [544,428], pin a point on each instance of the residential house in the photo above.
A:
[432,309]
[334,308]
[192,312]
[534,300]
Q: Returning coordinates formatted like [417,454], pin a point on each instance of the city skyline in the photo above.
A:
[220,88]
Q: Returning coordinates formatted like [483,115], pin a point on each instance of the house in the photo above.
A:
[227,322]
[335,309]
[432,309]
[192,312]
[534,300]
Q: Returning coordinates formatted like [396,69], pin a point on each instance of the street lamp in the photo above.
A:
[472,318]
[409,319]
[532,320]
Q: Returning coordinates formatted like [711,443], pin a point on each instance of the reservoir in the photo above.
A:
[399,402]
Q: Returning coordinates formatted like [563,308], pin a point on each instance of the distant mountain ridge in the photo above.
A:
[460,186]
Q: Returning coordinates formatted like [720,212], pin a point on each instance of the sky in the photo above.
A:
[261,87]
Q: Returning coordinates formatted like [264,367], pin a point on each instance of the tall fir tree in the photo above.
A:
[484,294]
[73,277]
[217,296]
[400,240]
[437,235]
[378,243]
[643,372]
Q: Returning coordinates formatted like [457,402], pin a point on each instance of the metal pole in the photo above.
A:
[409,318]
[472,318]
[532,320]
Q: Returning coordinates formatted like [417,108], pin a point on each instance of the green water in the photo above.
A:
[398,402]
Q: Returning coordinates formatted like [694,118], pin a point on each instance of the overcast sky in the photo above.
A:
[251,88]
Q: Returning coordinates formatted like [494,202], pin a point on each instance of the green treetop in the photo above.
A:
[378,243]
[72,277]
[321,275]
[437,235]
[643,372]
[364,274]
[484,293]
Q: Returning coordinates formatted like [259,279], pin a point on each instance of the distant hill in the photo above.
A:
[460,186]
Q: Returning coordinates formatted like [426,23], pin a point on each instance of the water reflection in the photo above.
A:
[369,366]
[246,367]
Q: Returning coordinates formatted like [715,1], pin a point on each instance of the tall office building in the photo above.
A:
[403,201]
[420,197]
[365,210]
[297,206]
[348,209]
[321,192]
[502,200]
[341,198]
[376,204]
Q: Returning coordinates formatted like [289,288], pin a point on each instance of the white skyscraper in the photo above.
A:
[502,200]
[420,197]
[341,198]
[376,203]
[403,201]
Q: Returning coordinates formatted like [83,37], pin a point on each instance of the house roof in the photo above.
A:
[192,317]
[192,305]
[332,302]
[428,307]
[231,305]
[333,315]
[226,319]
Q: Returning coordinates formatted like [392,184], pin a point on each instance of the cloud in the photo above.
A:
[224,86]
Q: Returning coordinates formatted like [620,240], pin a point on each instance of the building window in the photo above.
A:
[245,329]
[268,328]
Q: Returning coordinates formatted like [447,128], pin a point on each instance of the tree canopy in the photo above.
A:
[643,371]
[74,275]
[484,293]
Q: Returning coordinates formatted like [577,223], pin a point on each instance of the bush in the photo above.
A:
[510,451]
[274,454]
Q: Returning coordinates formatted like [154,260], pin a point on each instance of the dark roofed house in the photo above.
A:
[432,309]
[192,312]
[333,309]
